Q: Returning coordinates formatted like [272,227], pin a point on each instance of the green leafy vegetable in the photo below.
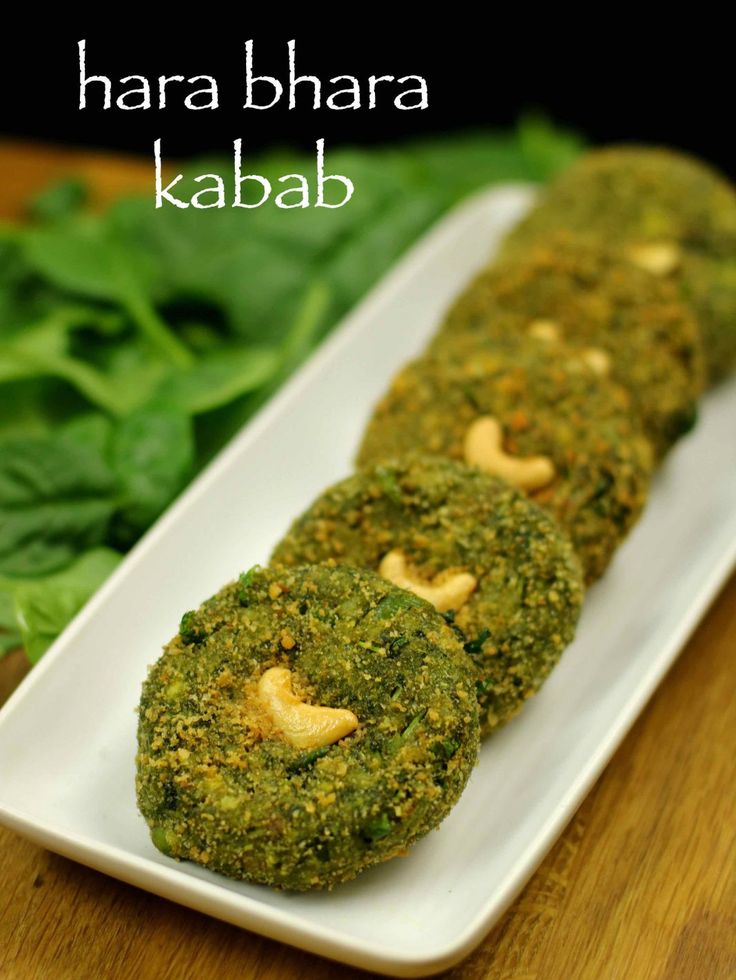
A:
[42,350]
[59,200]
[57,498]
[219,378]
[87,258]
[43,607]
[10,637]
[151,454]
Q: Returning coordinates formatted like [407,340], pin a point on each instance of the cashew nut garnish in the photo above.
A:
[305,726]
[484,448]
[548,330]
[659,258]
[597,360]
[445,591]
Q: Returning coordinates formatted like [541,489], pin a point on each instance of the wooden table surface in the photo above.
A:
[642,884]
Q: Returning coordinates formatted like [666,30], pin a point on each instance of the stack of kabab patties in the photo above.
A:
[319,716]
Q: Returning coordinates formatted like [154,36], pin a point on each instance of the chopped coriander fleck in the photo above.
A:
[413,725]
[396,741]
[445,748]
[476,645]
[483,687]
[245,581]
[397,602]
[398,643]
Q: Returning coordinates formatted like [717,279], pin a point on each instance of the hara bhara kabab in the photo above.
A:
[541,418]
[672,215]
[493,563]
[573,290]
[304,725]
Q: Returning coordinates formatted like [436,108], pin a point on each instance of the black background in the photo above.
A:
[607,78]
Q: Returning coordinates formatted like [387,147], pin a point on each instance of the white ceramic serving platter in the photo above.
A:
[67,736]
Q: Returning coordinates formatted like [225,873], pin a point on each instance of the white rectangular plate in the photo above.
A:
[67,736]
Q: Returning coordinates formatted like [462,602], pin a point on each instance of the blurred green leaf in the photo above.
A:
[87,258]
[57,498]
[59,200]
[43,608]
[219,378]
[152,456]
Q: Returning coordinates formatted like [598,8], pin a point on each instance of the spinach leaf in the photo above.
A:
[25,296]
[57,497]
[87,483]
[42,351]
[92,430]
[10,637]
[25,409]
[151,455]
[43,607]
[219,378]
[59,200]
[216,428]
[86,258]
[363,259]
[131,369]
[214,257]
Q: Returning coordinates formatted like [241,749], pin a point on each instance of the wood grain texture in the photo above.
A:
[641,884]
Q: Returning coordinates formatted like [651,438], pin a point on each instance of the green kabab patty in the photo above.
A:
[654,203]
[447,519]
[548,403]
[219,782]
[585,294]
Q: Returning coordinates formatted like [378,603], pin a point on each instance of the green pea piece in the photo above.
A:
[224,776]
[450,520]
